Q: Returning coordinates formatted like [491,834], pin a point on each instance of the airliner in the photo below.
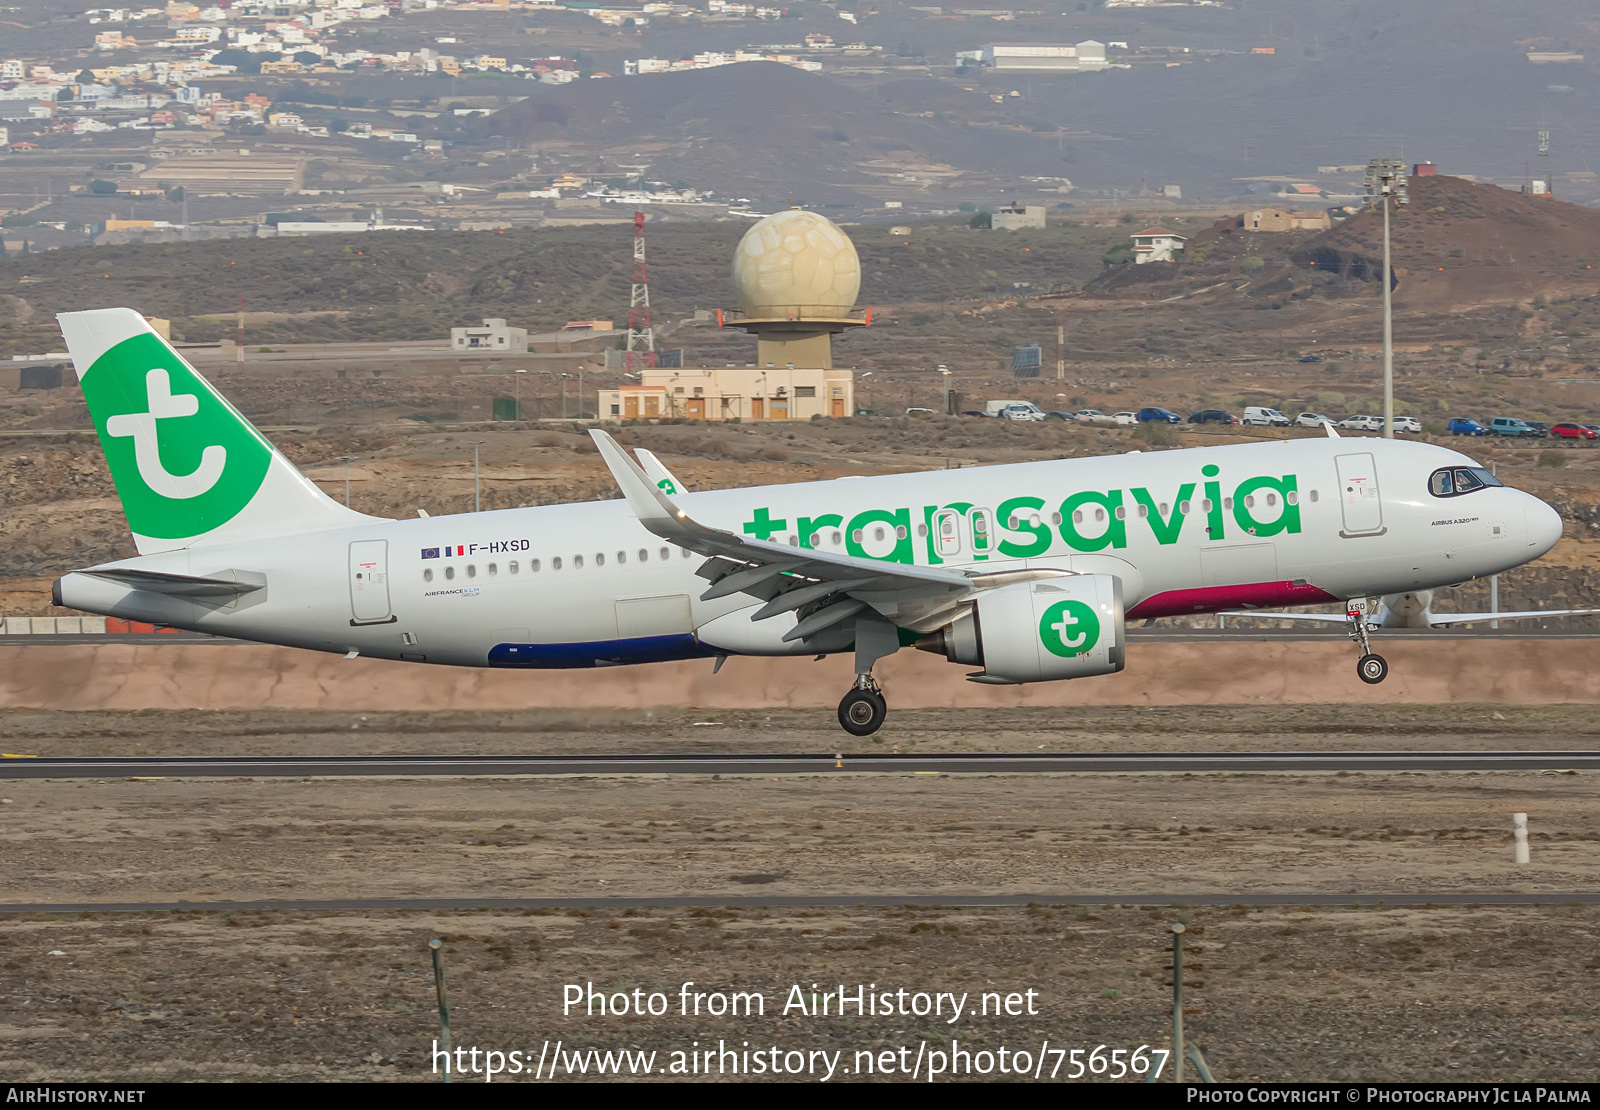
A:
[1026,572]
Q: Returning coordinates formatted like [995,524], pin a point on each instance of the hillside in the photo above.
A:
[418,286]
[1458,242]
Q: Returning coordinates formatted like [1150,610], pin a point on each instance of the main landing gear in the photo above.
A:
[863,709]
[1370,668]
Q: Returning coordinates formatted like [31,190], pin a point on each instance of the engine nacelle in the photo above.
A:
[1040,631]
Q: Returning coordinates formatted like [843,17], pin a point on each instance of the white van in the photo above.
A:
[1271,418]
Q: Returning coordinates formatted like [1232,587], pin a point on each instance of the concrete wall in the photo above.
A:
[182,676]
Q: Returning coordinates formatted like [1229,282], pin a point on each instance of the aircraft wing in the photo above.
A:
[824,587]
[660,477]
[1444,620]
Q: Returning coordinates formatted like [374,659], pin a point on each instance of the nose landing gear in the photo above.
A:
[1370,668]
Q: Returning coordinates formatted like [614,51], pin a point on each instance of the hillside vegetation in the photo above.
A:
[405,286]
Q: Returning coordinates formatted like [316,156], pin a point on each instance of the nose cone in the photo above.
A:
[1544,527]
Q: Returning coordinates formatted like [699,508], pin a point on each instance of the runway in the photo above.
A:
[800,901]
[483,766]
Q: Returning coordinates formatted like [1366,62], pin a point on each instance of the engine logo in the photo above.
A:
[1069,628]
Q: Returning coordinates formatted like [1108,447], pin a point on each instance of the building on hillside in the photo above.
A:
[1157,244]
[1016,216]
[1284,219]
[495,337]
[734,392]
[1080,57]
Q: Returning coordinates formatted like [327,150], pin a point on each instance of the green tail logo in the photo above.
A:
[183,459]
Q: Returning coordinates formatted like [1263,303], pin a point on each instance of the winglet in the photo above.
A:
[655,510]
[659,475]
[1327,426]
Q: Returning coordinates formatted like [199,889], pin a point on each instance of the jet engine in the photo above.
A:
[1039,631]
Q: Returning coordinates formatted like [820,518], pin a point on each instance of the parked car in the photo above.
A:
[976,412]
[1362,423]
[1093,416]
[1510,426]
[1309,358]
[1125,419]
[1540,428]
[1312,420]
[1407,424]
[1019,410]
[1155,414]
[1595,428]
[1461,426]
[921,412]
[1260,414]
[1059,416]
[1213,416]
[1572,431]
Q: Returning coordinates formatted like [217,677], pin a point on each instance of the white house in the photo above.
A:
[494,336]
[1157,244]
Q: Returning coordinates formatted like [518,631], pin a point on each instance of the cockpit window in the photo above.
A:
[1454,481]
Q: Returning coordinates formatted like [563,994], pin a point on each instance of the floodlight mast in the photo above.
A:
[1386,177]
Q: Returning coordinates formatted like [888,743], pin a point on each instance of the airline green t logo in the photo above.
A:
[1069,628]
[184,462]
[666,486]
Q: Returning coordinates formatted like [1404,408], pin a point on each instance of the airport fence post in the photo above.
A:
[1519,830]
[1177,1002]
[444,1008]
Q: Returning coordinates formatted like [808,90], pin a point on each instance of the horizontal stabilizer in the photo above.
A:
[227,583]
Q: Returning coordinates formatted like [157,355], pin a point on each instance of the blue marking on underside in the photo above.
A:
[599,653]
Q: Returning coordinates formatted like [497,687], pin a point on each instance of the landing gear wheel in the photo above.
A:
[1372,669]
[862,712]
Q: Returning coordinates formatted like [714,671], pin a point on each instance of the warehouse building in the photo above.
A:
[1081,57]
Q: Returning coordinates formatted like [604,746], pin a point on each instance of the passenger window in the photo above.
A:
[427,575]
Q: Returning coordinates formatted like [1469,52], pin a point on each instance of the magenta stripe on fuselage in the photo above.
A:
[1209,599]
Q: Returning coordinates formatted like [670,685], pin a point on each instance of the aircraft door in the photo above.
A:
[947,533]
[1359,496]
[982,532]
[369,582]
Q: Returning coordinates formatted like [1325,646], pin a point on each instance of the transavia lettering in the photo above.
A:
[1025,527]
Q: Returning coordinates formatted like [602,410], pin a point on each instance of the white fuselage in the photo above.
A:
[1197,530]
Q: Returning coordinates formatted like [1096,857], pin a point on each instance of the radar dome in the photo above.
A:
[796,263]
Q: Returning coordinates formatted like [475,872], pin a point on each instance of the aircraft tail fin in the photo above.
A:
[188,467]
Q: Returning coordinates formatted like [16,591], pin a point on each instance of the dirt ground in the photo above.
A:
[1328,727]
[1470,993]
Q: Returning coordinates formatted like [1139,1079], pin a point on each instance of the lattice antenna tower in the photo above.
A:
[641,337]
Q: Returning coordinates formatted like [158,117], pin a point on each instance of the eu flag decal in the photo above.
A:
[430,552]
